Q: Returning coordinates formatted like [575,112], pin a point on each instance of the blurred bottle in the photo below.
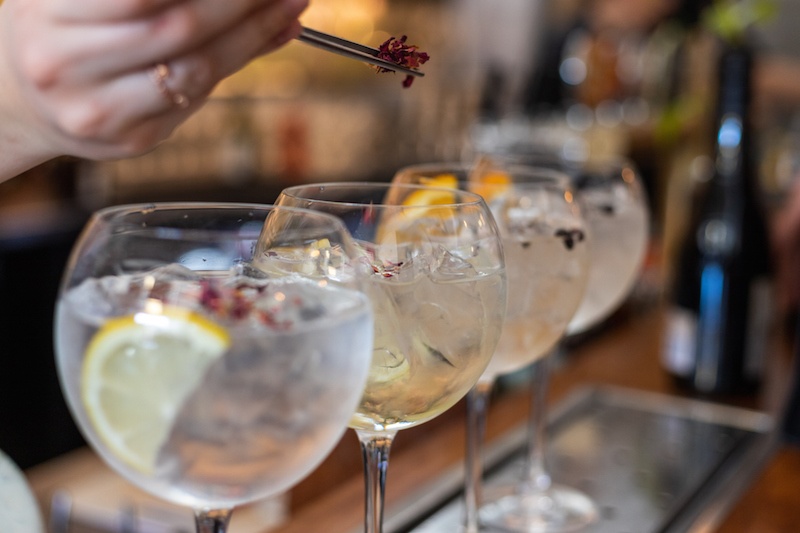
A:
[790,419]
[721,303]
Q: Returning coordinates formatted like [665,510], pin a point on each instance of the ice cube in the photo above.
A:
[270,409]
[389,329]
[317,259]
[452,264]
[451,318]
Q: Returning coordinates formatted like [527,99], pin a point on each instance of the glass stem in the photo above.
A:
[537,477]
[477,408]
[214,521]
[375,449]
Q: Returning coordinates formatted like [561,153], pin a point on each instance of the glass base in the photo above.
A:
[556,510]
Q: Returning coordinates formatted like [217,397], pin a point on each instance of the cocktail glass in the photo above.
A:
[614,203]
[20,511]
[546,265]
[439,296]
[206,366]
[614,207]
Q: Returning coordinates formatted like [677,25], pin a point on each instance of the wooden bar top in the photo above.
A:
[625,354]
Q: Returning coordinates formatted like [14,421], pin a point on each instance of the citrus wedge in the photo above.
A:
[427,203]
[432,197]
[138,371]
[446,181]
[490,184]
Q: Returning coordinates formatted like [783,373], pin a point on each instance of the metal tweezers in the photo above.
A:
[346,48]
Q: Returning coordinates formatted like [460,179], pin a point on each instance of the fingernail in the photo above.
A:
[291,31]
[295,7]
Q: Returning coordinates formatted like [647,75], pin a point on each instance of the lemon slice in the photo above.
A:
[138,371]
[427,202]
[446,181]
[433,197]
[429,197]
[490,184]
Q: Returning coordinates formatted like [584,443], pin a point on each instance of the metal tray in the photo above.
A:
[651,462]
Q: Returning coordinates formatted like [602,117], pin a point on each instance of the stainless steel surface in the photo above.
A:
[652,463]
[350,49]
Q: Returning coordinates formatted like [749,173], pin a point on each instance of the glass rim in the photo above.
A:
[113,212]
[124,220]
[472,198]
[545,174]
[544,159]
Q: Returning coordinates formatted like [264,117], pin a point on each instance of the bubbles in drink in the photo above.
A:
[546,263]
[437,315]
[617,226]
[285,366]
[262,410]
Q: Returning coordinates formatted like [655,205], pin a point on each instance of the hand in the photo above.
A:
[80,77]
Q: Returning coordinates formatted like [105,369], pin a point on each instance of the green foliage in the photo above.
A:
[730,19]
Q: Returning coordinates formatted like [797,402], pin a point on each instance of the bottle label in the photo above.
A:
[758,324]
[680,337]
[679,353]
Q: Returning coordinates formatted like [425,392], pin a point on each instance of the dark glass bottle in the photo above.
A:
[721,299]
[790,418]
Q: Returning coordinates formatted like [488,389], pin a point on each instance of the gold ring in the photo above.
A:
[160,74]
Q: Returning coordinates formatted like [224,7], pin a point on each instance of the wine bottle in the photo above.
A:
[790,417]
[720,305]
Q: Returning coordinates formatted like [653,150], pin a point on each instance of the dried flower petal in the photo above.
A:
[406,55]
[239,302]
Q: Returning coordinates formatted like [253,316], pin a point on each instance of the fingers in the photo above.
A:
[266,30]
[132,99]
[109,114]
[90,81]
[195,74]
[186,26]
[105,50]
[291,31]
[95,11]
[137,139]
[104,11]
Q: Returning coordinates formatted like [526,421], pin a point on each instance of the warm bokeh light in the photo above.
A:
[293,69]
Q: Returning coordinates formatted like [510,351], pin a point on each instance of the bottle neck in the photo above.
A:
[735,80]
[734,95]
[732,146]
[732,191]
[732,125]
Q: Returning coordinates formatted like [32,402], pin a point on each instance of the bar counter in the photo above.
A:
[623,354]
